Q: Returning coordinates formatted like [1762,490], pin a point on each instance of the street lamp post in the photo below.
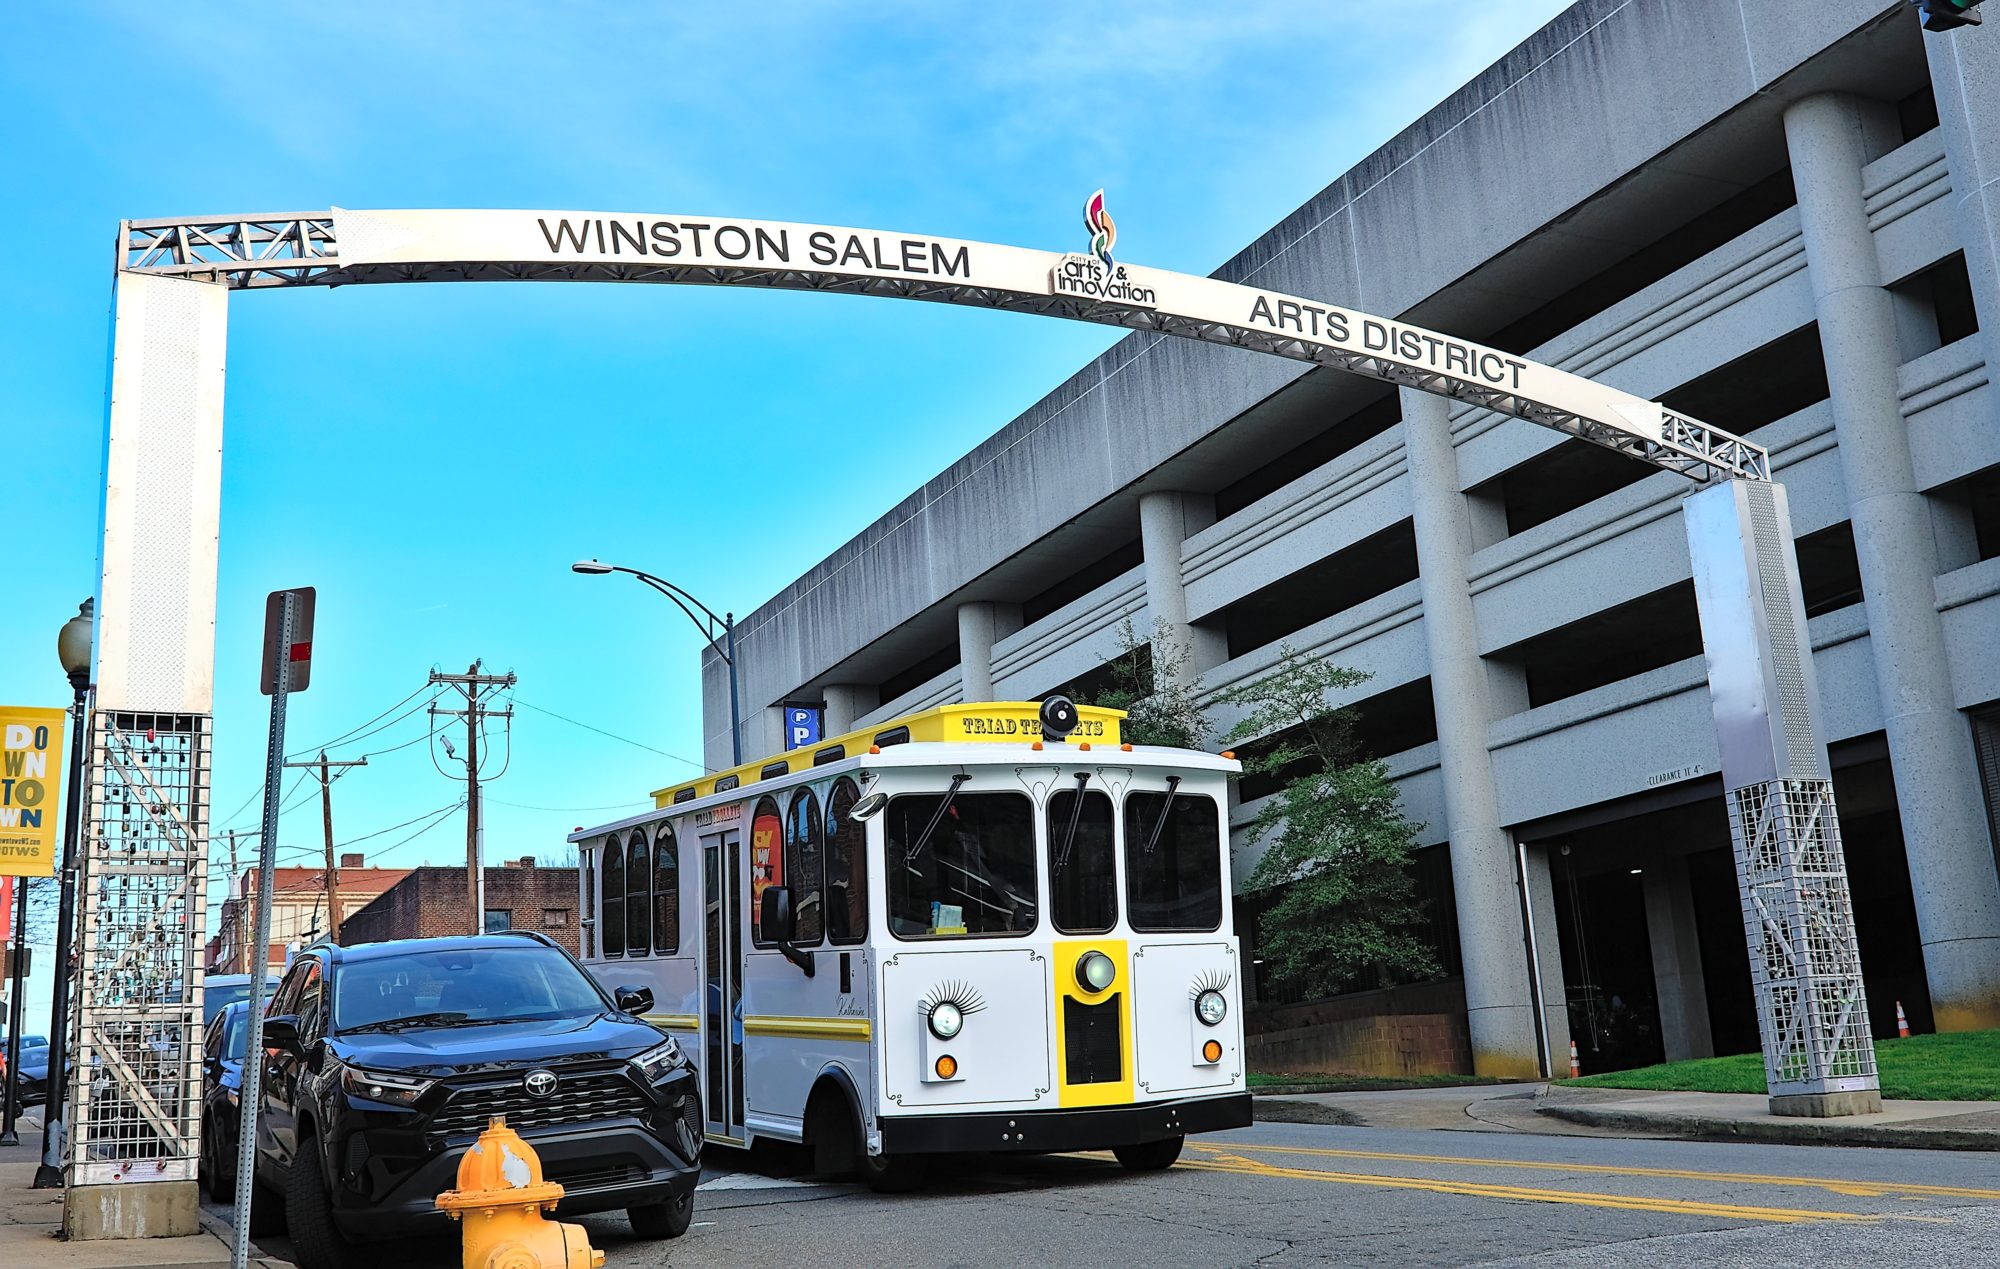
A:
[73,647]
[724,647]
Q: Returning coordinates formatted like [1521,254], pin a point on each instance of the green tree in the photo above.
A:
[1346,916]
[1150,682]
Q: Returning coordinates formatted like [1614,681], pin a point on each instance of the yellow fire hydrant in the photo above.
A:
[500,1198]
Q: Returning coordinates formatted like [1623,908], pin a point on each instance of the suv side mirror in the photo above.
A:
[633,1000]
[777,923]
[282,1032]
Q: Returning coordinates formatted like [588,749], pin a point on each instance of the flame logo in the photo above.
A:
[1103,231]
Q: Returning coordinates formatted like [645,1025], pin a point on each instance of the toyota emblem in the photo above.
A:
[539,1083]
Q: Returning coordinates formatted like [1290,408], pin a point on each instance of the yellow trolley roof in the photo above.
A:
[1015,722]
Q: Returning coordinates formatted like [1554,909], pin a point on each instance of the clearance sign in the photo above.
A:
[31,746]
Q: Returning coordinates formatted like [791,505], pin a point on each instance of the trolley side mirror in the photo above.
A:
[777,922]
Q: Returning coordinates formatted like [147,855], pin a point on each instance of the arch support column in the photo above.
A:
[1930,742]
[1166,518]
[1499,993]
[980,626]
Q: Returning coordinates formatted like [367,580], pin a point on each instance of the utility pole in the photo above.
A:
[477,689]
[323,769]
[234,915]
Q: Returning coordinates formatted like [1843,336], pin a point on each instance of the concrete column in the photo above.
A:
[1930,742]
[1547,938]
[1166,518]
[975,651]
[1499,996]
[846,702]
[1676,947]
[1965,75]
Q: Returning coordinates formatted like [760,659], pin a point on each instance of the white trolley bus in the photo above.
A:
[945,933]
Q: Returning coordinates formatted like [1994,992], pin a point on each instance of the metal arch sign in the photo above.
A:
[347,247]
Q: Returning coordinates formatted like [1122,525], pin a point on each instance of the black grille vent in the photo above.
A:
[578,1099]
[691,1126]
[1091,1053]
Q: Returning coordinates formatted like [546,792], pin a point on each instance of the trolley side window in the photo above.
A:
[1083,883]
[666,892]
[1173,861]
[767,862]
[805,867]
[960,866]
[613,890]
[846,866]
[638,896]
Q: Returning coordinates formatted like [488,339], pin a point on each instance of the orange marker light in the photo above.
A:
[947,1066]
[1229,754]
[1126,747]
[1083,744]
[1037,746]
[1212,1051]
[874,749]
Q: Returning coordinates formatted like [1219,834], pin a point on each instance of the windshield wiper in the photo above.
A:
[924,839]
[1173,787]
[414,1020]
[1075,814]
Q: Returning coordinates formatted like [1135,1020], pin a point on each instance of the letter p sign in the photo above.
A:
[801,726]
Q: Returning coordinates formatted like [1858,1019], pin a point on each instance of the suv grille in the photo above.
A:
[579,1099]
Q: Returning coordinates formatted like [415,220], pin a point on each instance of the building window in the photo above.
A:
[498,919]
[805,867]
[554,918]
[846,866]
[638,896]
[614,898]
[666,891]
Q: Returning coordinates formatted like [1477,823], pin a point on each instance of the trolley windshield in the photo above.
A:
[960,865]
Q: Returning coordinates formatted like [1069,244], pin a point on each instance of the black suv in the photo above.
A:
[384,1061]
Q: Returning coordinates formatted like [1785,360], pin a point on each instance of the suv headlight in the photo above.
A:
[384,1086]
[659,1060]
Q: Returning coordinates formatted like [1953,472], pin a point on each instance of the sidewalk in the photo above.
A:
[31,1224]
[1747,1116]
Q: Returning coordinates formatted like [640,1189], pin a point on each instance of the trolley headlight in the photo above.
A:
[659,1060]
[384,1086]
[1211,1008]
[946,1020]
[1095,971]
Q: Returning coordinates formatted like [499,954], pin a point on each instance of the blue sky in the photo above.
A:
[432,458]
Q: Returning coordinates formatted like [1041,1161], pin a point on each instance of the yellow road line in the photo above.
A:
[1523,1194]
[1852,1189]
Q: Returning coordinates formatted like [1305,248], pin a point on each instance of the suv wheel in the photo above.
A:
[663,1220]
[220,1174]
[316,1240]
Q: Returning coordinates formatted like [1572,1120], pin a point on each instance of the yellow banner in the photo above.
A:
[31,757]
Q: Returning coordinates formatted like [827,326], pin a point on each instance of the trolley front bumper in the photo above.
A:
[1096,1128]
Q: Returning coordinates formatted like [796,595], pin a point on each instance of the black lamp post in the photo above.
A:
[73,646]
[725,648]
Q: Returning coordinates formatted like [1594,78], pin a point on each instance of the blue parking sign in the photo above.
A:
[801,726]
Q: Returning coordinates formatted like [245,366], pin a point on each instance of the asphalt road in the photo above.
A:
[1317,1194]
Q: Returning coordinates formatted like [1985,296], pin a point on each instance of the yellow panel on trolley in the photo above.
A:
[999,722]
[1108,1010]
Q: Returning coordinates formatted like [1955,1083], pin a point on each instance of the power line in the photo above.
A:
[355,732]
[700,766]
[608,806]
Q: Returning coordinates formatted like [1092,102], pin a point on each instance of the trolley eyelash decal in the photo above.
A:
[1210,980]
[953,992]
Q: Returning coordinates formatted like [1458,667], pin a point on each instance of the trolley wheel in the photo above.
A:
[1152,1156]
[886,1173]
[669,1219]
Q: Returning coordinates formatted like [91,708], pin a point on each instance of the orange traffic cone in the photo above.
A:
[1575,1067]
[1902,1022]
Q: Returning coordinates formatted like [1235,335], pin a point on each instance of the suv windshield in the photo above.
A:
[460,986]
[976,874]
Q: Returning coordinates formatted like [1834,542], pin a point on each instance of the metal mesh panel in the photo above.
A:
[1799,919]
[136,1090]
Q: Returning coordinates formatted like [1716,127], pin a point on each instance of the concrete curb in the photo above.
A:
[1805,1132]
[1297,1090]
[213,1224]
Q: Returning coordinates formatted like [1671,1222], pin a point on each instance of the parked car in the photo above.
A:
[223,1044]
[32,1078]
[219,991]
[383,1062]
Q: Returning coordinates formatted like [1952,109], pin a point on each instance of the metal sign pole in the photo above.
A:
[258,952]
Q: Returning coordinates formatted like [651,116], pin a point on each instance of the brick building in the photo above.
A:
[430,901]
[298,910]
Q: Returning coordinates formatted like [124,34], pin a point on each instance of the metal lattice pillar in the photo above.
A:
[1805,966]
[136,1104]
